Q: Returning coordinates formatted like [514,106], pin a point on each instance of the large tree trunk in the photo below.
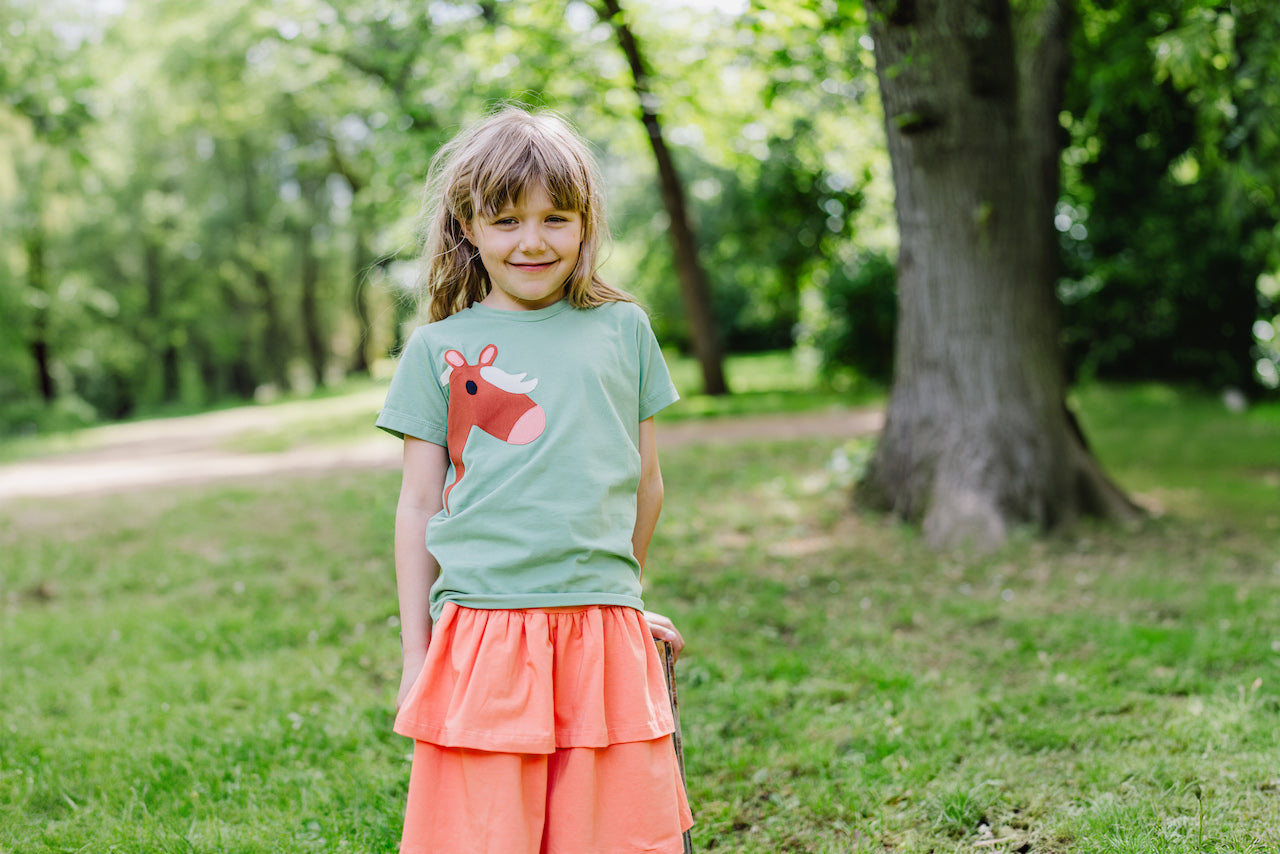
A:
[696,292]
[977,435]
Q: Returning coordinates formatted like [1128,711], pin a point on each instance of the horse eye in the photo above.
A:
[471,387]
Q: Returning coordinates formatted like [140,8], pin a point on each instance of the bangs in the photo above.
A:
[536,161]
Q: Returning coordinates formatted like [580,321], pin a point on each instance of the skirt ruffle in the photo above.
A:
[533,681]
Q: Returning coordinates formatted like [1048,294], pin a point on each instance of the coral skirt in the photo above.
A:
[542,731]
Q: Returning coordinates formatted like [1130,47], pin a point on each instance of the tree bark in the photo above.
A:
[363,266]
[309,307]
[363,260]
[978,437]
[694,287]
[274,344]
[38,281]
[161,338]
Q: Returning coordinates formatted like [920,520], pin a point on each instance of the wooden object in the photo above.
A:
[669,671]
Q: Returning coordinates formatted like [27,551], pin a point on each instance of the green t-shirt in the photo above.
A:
[540,411]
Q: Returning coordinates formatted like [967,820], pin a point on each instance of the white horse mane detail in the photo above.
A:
[514,383]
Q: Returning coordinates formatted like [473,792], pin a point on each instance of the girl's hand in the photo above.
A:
[663,629]
[408,675]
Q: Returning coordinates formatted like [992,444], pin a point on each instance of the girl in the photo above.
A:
[531,489]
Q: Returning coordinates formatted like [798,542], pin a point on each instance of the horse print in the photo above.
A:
[483,396]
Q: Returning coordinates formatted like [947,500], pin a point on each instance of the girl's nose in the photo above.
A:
[531,240]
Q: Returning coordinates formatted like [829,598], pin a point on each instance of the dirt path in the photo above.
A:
[194,449]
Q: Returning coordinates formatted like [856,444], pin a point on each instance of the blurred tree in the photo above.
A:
[705,333]
[862,308]
[45,85]
[806,176]
[774,122]
[1169,204]
[977,436]
[225,175]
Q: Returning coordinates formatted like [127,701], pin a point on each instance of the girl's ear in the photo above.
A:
[466,232]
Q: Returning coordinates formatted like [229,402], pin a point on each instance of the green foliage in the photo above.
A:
[198,205]
[1168,210]
[209,159]
[783,163]
[792,204]
[212,668]
[857,329]
[758,283]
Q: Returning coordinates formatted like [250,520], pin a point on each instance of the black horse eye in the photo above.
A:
[471,387]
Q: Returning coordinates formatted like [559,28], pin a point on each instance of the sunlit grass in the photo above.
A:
[212,669]
[774,382]
[1183,452]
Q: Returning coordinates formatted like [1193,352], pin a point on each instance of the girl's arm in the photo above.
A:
[421,491]
[648,495]
[648,508]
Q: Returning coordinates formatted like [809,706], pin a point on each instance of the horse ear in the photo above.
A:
[454,358]
[487,355]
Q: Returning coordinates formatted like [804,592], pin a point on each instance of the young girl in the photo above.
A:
[531,489]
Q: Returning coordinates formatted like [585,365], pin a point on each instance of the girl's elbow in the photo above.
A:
[418,504]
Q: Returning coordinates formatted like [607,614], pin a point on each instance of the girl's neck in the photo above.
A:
[501,301]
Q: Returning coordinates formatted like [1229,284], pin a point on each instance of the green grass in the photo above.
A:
[212,669]
[774,382]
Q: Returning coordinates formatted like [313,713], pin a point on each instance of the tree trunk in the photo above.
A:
[274,344]
[694,288]
[309,309]
[38,281]
[363,269]
[977,435]
[363,260]
[163,350]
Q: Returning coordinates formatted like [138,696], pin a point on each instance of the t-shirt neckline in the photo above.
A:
[531,316]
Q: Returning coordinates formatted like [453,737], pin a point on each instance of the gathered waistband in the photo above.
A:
[534,680]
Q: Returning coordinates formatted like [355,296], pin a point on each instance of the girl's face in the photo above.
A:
[529,249]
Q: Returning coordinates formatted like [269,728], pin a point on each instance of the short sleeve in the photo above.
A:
[657,391]
[417,404]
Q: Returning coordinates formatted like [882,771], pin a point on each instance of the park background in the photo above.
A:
[205,207]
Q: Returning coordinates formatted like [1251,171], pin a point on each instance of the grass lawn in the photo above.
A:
[212,669]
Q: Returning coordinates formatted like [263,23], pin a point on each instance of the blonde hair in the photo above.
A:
[488,166]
